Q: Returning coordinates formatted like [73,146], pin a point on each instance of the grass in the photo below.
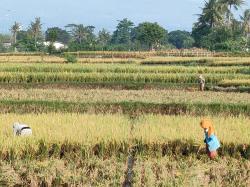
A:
[55,172]
[123,101]
[111,54]
[191,172]
[57,59]
[166,171]
[131,108]
[144,54]
[91,150]
[122,74]
[174,60]
[61,135]
[75,128]
[128,58]
[235,82]
[201,61]
[159,129]
[106,95]
[119,68]
[66,77]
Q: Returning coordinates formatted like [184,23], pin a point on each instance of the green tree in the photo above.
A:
[212,13]
[122,34]
[236,4]
[14,30]
[150,34]
[36,30]
[181,39]
[200,30]
[51,36]
[83,37]
[4,38]
[80,33]
[246,22]
[104,38]
[236,27]
[26,42]
[212,16]
[61,35]
[218,39]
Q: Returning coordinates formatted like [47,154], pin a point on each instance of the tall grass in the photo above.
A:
[7,77]
[66,135]
[144,54]
[163,171]
[131,108]
[58,59]
[190,171]
[107,95]
[235,82]
[130,58]
[118,68]
[194,61]
[161,129]
[112,54]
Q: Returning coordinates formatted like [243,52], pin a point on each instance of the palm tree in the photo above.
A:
[104,38]
[236,4]
[80,33]
[14,30]
[36,29]
[246,22]
[212,13]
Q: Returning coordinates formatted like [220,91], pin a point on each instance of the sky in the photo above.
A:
[171,14]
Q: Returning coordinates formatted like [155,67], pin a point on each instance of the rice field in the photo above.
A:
[156,72]
[124,118]
[117,68]
[84,149]
[89,130]
[142,58]
[122,75]
[194,61]
[123,101]
[125,78]
[107,95]
[165,171]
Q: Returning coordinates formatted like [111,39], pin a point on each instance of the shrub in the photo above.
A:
[70,58]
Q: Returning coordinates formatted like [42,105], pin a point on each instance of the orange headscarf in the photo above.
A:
[207,124]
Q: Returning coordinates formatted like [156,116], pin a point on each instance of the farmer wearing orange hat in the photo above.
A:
[211,140]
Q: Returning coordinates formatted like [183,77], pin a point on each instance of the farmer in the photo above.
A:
[21,129]
[202,83]
[212,142]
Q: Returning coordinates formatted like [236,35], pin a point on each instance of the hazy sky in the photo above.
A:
[172,14]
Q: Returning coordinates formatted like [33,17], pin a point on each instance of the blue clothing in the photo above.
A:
[212,142]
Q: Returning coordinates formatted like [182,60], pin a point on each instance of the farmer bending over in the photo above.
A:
[212,142]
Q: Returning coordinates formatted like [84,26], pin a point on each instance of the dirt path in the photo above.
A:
[129,174]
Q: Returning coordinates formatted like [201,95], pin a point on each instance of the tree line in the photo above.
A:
[217,28]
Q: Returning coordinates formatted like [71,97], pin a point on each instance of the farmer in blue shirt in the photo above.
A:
[211,140]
